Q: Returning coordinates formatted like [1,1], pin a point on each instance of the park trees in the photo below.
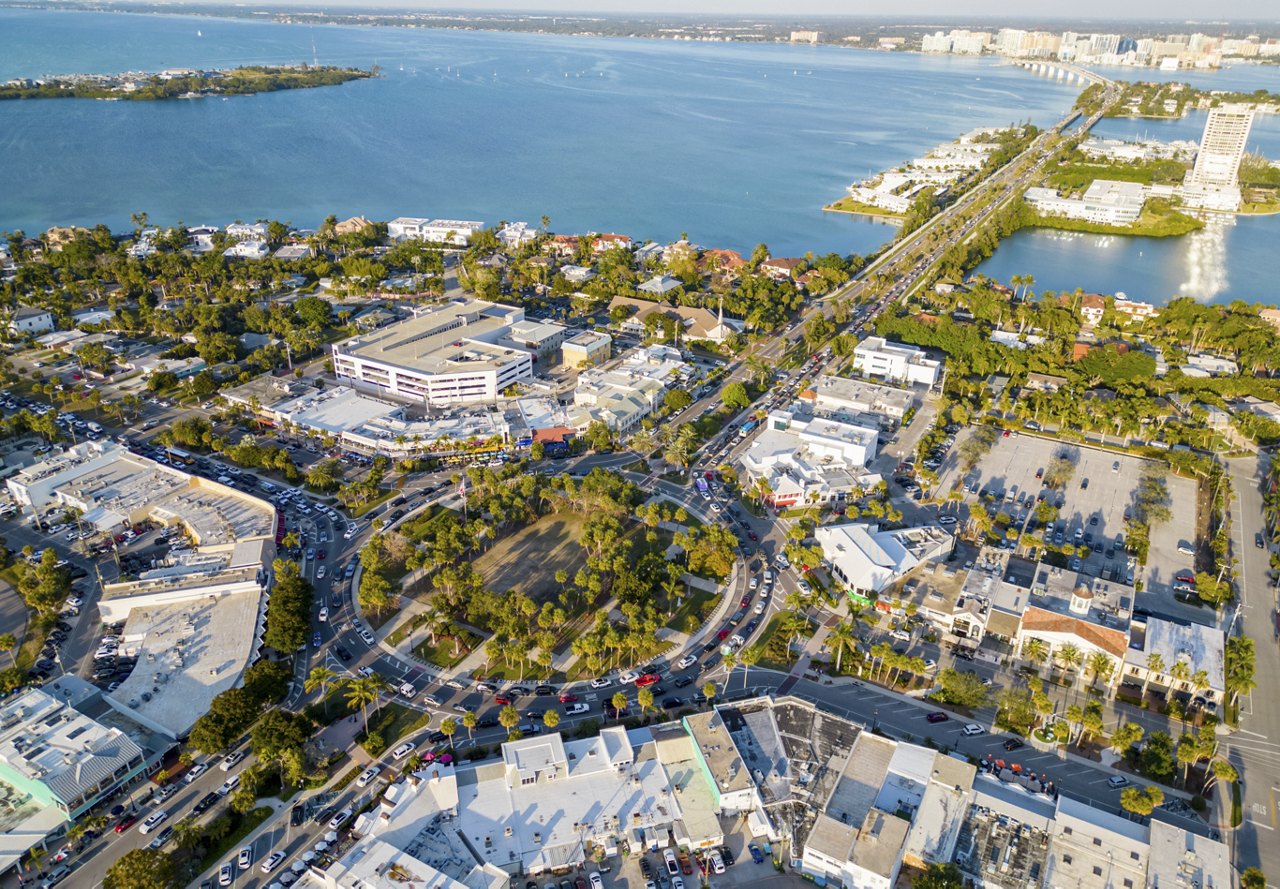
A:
[735,396]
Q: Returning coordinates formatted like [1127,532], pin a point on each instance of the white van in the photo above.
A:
[154,820]
[404,750]
[672,863]
[229,785]
[367,776]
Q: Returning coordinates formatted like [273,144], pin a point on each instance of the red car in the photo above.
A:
[323,555]
[125,823]
[752,535]
[937,716]
[647,679]
[722,635]
[1185,577]
[501,700]
[746,601]
[568,697]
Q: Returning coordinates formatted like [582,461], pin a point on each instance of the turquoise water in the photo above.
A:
[735,144]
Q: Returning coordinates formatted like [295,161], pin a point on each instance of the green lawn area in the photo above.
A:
[689,616]
[442,653]
[848,205]
[776,655]
[365,508]
[528,560]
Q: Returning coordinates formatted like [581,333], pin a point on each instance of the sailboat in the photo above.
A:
[199,33]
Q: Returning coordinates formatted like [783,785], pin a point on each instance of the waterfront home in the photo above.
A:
[780,268]
[602,242]
[250,249]
[246,230]
[353,226]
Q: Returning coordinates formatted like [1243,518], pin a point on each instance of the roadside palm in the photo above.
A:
[365,691]
[321,678]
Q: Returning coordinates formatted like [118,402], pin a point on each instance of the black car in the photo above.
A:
[210,798]
[518,691]
[727,856]
[486,722]
[699,699]
[533,714]
[683,681]
[1012,744]
[710,647]
[646,869]
[671,703]
[437,737]
[343,654]
[544,690]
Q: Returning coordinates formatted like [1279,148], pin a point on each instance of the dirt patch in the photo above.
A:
[528,560]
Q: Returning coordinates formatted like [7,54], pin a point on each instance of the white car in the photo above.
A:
[597,882]
[324,614]
[367,637]
[196,771]
[629,676]
[231,760]
[946,520]
[321,573]
[602,682]
[404,750]
[760,607]
[687,661]
[245,859]
[272,862]
[367,776]
[973,729]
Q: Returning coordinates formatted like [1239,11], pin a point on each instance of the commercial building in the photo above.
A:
[194,622]
[688,322]
[866,560]
[842,397]
[367,425]
[1157,646]
[60,758]
[805,459]
[449,354]
[586,349]
[623,393]
[877,357]
[1105,201]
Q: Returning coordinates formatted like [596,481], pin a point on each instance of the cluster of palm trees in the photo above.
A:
[1070,658]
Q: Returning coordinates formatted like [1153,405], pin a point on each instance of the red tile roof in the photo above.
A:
[1037,620]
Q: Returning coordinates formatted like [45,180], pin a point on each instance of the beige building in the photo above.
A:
[586,349]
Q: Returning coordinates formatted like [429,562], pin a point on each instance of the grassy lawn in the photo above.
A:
[690,615]
[366,508]
[375,620]
[242,826]
[777,655]
[528,560]
[849,205]
[415,528]
[442,653]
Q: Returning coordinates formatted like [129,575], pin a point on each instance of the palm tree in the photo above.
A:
[1100,665]
[469,722]
[8,644]
[509,718]
[730,664]
[760,370]
[1035,650]
[1155,667]
[1180,672]
[619,701]
[321,678]
[364,691]
[1069,656]
[749,657]
[842,636]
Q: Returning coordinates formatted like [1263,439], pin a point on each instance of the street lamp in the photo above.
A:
[875,719]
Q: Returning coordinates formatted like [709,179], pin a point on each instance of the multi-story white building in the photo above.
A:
[877,357]
[623,393]
[1105,201]
[450,354]
[404,228]
[31,321]
[1214,181]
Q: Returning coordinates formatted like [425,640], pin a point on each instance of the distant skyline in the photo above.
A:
[1138,10]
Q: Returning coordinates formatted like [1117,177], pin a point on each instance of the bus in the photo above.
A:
[701,484]
[177,456]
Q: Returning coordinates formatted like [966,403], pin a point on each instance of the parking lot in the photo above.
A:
[625,872]
[1092,507]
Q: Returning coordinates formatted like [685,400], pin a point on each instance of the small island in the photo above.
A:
[1173,100]
[181,83]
